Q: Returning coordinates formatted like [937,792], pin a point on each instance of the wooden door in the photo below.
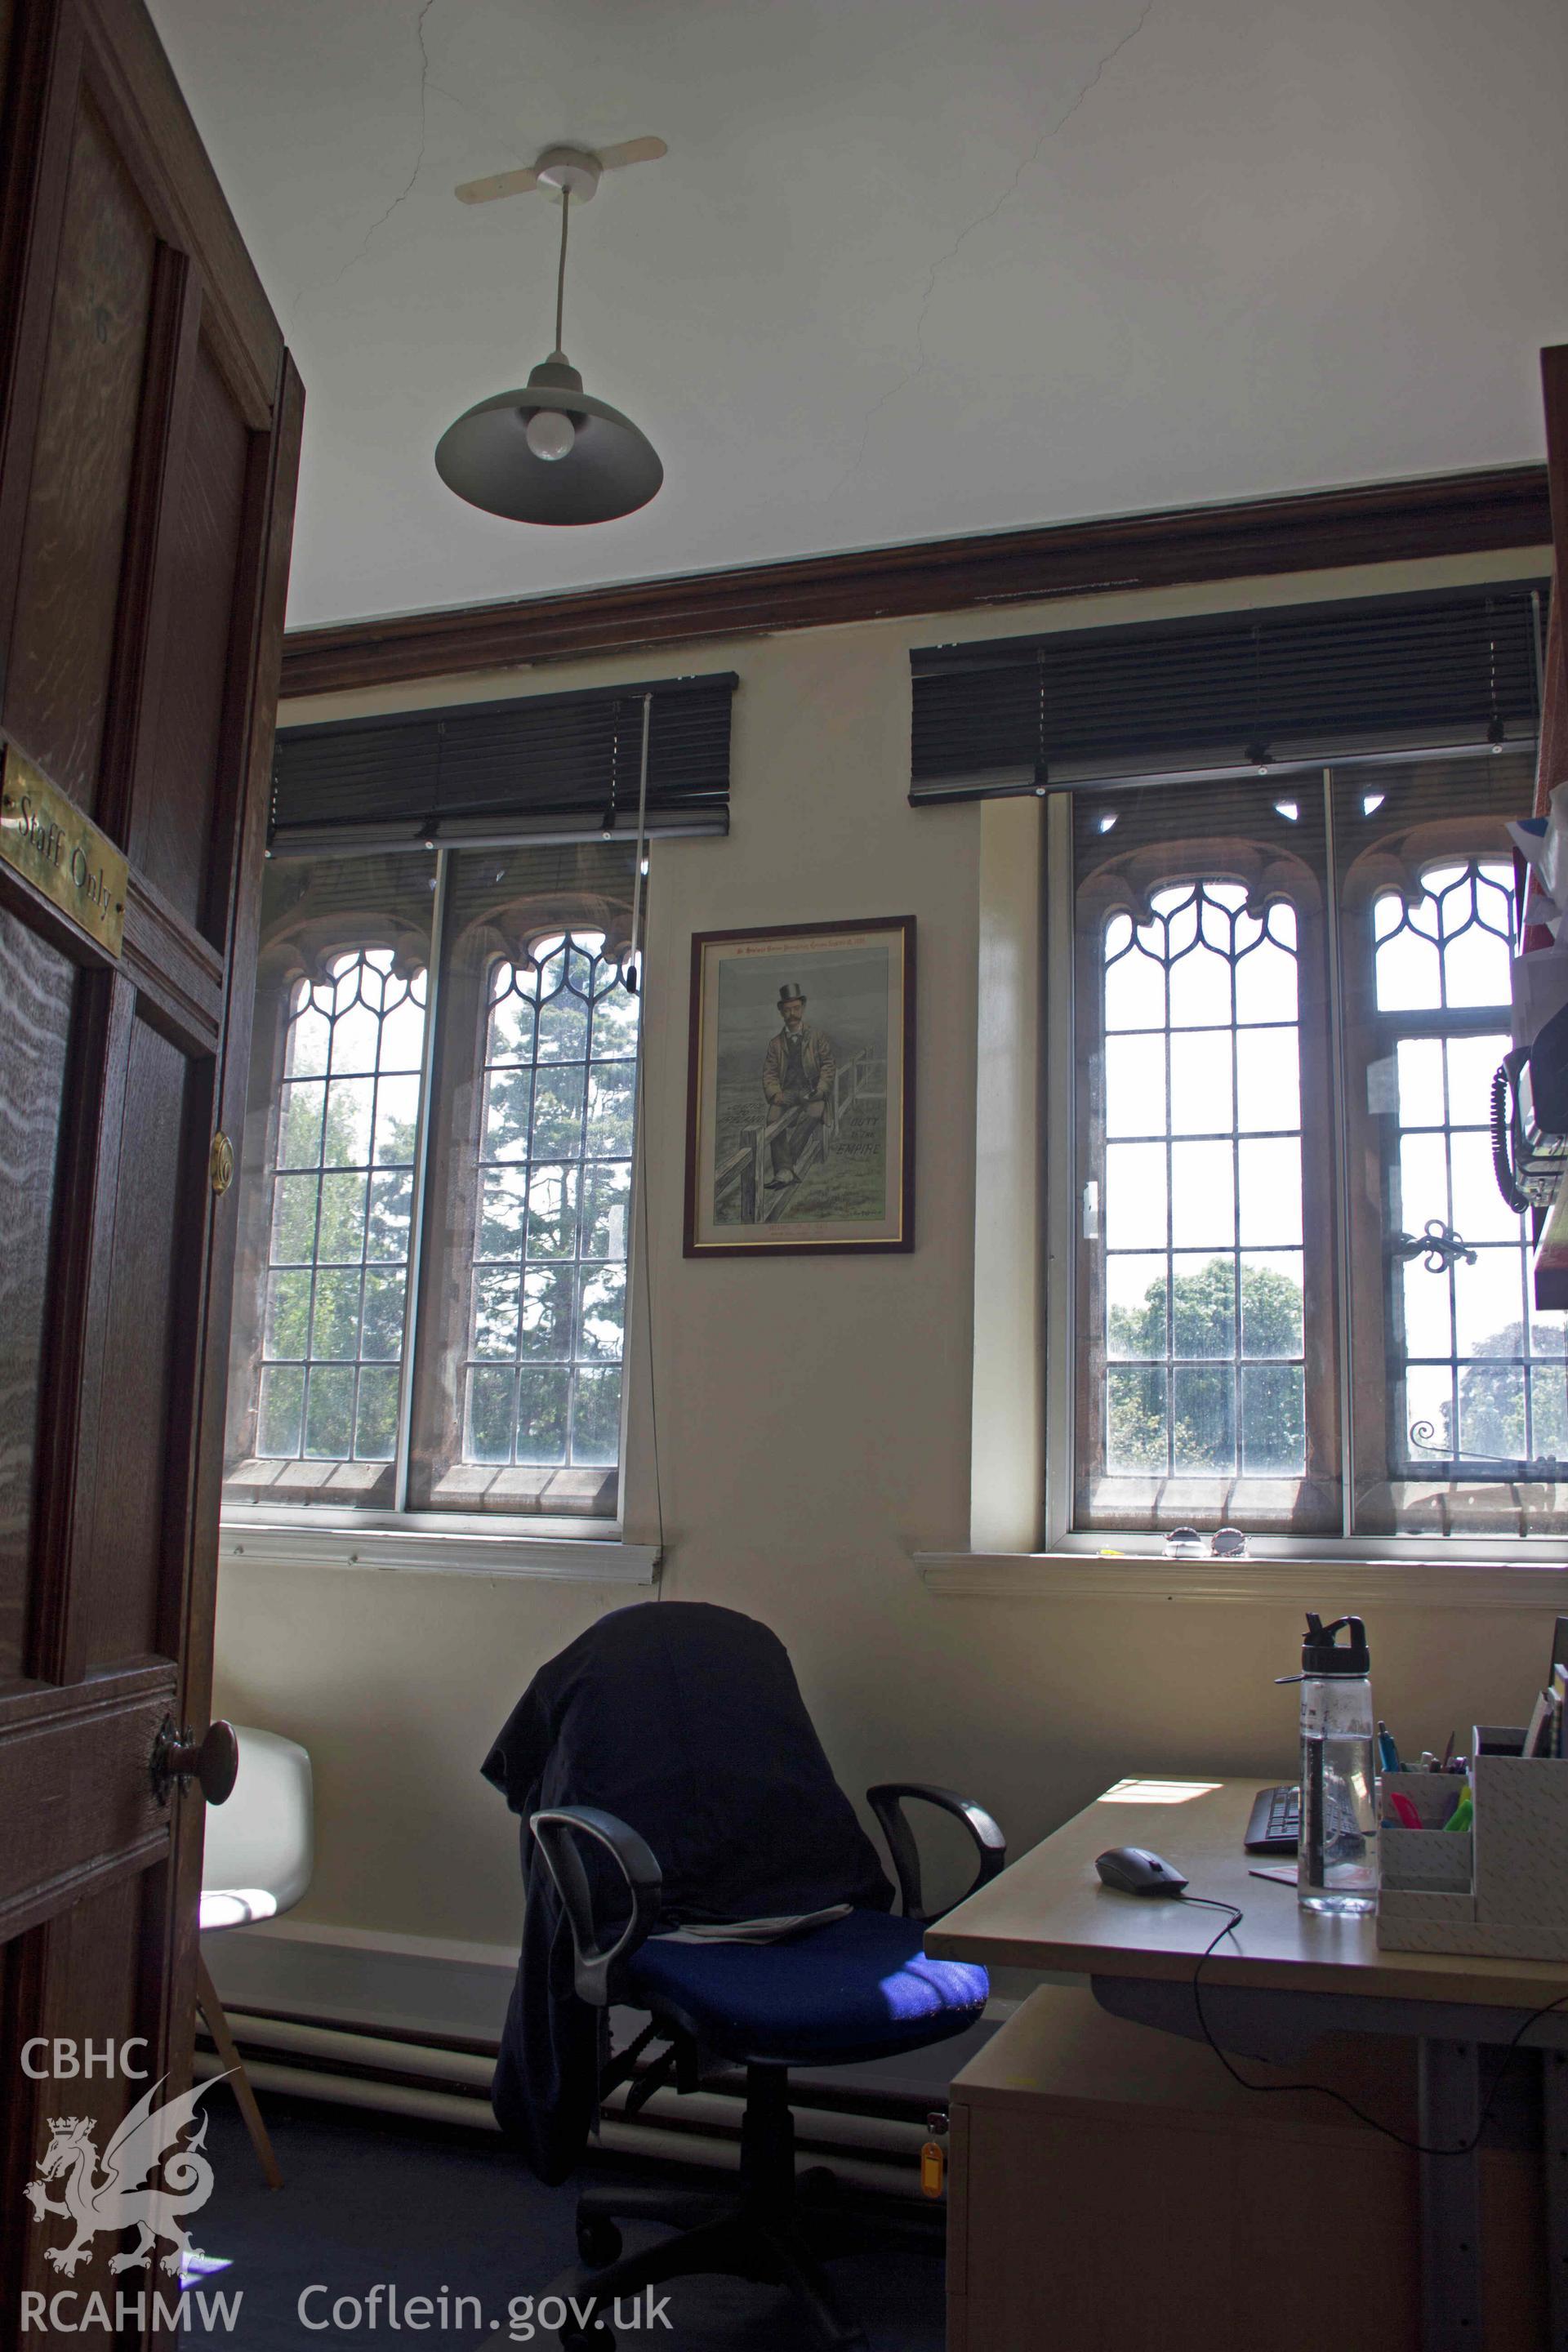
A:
[149,434]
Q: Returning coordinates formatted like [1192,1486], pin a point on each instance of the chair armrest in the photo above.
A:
[597,1967]
[886,1801]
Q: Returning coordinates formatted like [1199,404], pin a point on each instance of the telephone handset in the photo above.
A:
[1509,1151]
[1530,1119]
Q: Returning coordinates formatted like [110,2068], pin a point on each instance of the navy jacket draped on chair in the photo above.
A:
[684,1720]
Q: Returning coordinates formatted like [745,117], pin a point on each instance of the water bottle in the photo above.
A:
[1336,1871]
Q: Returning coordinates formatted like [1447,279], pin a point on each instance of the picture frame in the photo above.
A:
[800,1092]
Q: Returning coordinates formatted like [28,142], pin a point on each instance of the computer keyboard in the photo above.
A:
[1276,1823]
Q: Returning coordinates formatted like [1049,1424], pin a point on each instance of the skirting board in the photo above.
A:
[363,1977]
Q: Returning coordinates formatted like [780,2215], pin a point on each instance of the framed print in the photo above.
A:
[800,1107]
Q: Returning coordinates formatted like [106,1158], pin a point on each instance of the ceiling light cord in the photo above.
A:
[559,351]
[487,460]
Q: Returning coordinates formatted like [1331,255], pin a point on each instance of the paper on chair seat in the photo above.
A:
[755,1931]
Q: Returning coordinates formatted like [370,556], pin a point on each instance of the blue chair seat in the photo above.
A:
[860,1987]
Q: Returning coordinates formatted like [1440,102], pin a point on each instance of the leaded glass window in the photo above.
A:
[337,1269]
[1479,1376]
[1300,1302]
[1203,1299]
[436,1188]
[542,1375]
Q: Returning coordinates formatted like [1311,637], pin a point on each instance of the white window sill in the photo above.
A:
[1503,1582]
[246,1541]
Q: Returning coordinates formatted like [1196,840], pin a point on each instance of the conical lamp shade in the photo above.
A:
[610,469]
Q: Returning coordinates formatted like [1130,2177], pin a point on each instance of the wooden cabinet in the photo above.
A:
[1112,2189]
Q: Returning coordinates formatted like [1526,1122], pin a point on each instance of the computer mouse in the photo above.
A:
[1133,1870]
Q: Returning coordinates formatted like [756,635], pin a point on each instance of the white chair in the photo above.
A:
[257,1859]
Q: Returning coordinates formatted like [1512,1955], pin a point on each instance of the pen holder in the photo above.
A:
[1431,1860]
[1498,1891]
[1428,1861]
[1433,1794]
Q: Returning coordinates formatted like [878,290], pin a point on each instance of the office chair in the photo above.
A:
[857,1989]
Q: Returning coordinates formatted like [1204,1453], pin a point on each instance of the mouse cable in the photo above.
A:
[1419,2148]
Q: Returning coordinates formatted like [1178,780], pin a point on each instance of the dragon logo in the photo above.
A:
[117,2197]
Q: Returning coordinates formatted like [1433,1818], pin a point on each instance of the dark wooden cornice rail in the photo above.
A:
[1447,514]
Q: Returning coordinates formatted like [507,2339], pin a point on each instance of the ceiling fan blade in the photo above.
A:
[631,150]
[498,183]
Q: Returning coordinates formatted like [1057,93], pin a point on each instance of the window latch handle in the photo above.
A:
[1438,1248]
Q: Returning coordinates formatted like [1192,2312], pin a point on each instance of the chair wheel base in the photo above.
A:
[598,2242]
[761,2234]
[764,2249]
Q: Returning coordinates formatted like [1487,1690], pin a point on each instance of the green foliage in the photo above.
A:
[1203,1315]
[541,1413]
[330,1220]
[1491,1404]
[343,1207]
[375,1435]
[1197,1311]
[596,1427]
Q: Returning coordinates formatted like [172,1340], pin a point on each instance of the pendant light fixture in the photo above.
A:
[550,452]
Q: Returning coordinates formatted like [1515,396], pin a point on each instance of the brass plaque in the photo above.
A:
[62,853]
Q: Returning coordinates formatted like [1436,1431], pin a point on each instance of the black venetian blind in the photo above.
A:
[1226,694]
[551,767]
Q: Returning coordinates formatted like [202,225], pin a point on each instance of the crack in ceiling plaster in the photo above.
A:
[933,274]
[408,187]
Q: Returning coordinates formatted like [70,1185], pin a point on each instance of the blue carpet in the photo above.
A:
[368,2200]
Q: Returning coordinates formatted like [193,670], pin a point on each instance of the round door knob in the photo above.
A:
[212,1762]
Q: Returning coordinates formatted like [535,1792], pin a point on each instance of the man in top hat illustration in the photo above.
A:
[797,1080]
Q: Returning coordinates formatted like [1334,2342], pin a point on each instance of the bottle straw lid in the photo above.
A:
[1322,1654]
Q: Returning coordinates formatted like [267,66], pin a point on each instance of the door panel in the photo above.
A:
[78,498]
[37,988]
[143,1421]
[203,548]
[76,1797]
[60,1973]
[149,437]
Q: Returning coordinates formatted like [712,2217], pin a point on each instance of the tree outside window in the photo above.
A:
[1292,996]
[436,1200]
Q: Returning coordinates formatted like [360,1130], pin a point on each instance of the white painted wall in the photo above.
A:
[815,1415]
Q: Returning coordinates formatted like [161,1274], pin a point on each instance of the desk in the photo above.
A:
[1286,1979]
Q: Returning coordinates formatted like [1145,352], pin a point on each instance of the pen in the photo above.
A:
[1387,1753]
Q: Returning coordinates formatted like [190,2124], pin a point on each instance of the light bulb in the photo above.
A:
[549,435]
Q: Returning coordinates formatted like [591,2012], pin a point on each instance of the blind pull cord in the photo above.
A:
[633,967]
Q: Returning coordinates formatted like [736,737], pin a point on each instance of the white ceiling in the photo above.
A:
[910,266]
